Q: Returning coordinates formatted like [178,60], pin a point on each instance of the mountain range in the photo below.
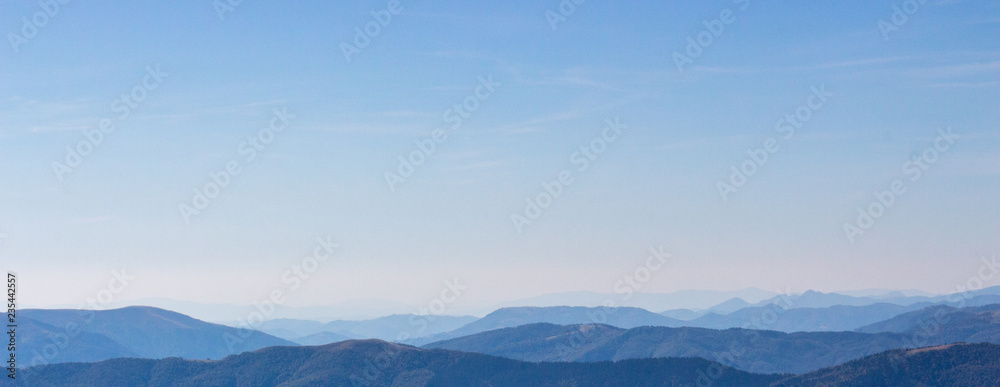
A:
[749,350]
[378,363]
[814,299]
[517,345]
[623,317]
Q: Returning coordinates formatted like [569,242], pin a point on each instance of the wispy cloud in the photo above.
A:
[864,62]
[534,124]
[364,128]
[91,220]
[968,85]
[477,166]
[707,142]
[58,128]
[249,107]
[842,64]
[405,114]
[956,70]
[680,145]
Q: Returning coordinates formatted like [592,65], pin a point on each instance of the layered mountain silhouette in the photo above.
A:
[63,335]
[378,363]
[945,324]
[622,317]
[815,299]
[820,312]
[750,350]
[520,346]
[832,318]
[388,328]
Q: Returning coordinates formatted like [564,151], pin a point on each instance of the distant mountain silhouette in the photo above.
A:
[34,336]
[64,335]
[814,299]
[682,299]
[945,324]
[729,306]
[829,319]
[377,363]
[749,350]
[321,338]
[763,351]
[291,329]
[622,317]
[388,328]
[683,314]
[956,365]
[791,315]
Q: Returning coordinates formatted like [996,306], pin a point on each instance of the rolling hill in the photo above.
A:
[944,324]
[35,336]
[826,319]
[759,350]
[955,365]
[622,317]
[63,335]
[748,350]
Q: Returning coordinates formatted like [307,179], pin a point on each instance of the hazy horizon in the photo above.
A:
[689,299]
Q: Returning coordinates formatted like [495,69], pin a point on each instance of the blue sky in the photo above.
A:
[323,175]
